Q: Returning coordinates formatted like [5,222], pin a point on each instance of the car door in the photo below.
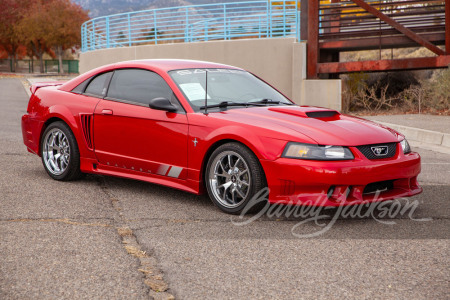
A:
[130,135]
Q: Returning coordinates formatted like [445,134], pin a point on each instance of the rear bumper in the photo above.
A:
[320,183]
[31,128]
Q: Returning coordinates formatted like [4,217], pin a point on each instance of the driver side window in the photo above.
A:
[139,86]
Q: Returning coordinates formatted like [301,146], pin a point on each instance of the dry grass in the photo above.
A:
[124,231]
[402,92]
[135,251]
[386,54]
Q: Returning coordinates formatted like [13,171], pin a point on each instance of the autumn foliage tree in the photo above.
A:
[63,25]
[33,32]
[10,41]
[43,26]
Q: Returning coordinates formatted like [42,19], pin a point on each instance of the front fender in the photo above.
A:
[263,147]
[203,139]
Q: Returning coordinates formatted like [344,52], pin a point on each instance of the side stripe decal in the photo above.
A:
[175,172]
[162,170]
[171,171]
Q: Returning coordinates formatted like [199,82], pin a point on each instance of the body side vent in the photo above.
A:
[86,125]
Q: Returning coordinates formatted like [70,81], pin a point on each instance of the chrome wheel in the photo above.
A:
[56,151]
[230,179]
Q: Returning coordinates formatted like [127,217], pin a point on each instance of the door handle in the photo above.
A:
[107,112]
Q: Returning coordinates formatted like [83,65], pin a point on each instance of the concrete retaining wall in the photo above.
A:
[281,62]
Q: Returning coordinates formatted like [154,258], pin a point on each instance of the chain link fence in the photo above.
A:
[33,66]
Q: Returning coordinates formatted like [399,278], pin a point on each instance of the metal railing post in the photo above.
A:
[225,31]
[155,30]
[186,27]
[107,31]
[284,18]
[82,38]
[93,42]
[269,18]
[129,29]
[259,26]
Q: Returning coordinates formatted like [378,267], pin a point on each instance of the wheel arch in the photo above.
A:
[216,145]
[52,119]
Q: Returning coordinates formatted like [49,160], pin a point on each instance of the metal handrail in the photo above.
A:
[194,23]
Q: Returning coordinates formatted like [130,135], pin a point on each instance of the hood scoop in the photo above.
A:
[322,114]
[308,112]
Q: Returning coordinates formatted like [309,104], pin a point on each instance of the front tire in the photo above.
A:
[59,152]
[233,177]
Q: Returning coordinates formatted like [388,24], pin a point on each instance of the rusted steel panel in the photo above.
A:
[388,4]
[399,27]
[375,42]
[354,25]
[378,33]
[304,20]
[447,26]
[313,38]
[385,65]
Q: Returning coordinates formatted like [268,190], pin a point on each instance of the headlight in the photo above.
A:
[316,152]
[405,146]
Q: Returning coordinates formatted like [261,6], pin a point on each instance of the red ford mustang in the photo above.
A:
[199,126]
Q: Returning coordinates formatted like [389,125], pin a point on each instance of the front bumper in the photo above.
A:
[336,183]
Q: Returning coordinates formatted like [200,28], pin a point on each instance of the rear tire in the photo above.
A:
[233,177]
[59,152]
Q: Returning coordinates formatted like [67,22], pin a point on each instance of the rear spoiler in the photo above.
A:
[38,85]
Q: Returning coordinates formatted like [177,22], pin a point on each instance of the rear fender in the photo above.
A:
[64,114]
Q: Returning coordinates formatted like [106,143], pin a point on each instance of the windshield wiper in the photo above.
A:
[225,104]
[269,101]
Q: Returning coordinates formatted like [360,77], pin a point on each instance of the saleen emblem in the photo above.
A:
[380,150]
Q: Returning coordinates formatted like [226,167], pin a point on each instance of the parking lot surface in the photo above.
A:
[113,238]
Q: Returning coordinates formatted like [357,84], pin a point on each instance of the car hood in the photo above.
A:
[324,126]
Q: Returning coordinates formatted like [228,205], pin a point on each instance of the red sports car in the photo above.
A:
[199,126]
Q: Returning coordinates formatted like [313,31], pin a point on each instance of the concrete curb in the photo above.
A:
[435,138]
[27,88]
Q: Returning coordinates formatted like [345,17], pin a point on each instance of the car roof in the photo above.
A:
[172,64]
[161,65]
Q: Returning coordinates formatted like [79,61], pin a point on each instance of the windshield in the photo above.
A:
[226,88]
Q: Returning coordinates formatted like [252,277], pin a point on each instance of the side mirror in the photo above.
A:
[162,104]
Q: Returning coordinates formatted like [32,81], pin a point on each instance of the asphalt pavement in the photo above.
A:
[111,238]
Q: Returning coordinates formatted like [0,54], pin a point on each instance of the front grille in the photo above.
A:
[369,153]
[380,186]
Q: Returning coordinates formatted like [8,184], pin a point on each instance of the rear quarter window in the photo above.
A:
[97,87]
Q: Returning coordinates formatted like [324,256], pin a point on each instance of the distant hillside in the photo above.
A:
[99,8]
